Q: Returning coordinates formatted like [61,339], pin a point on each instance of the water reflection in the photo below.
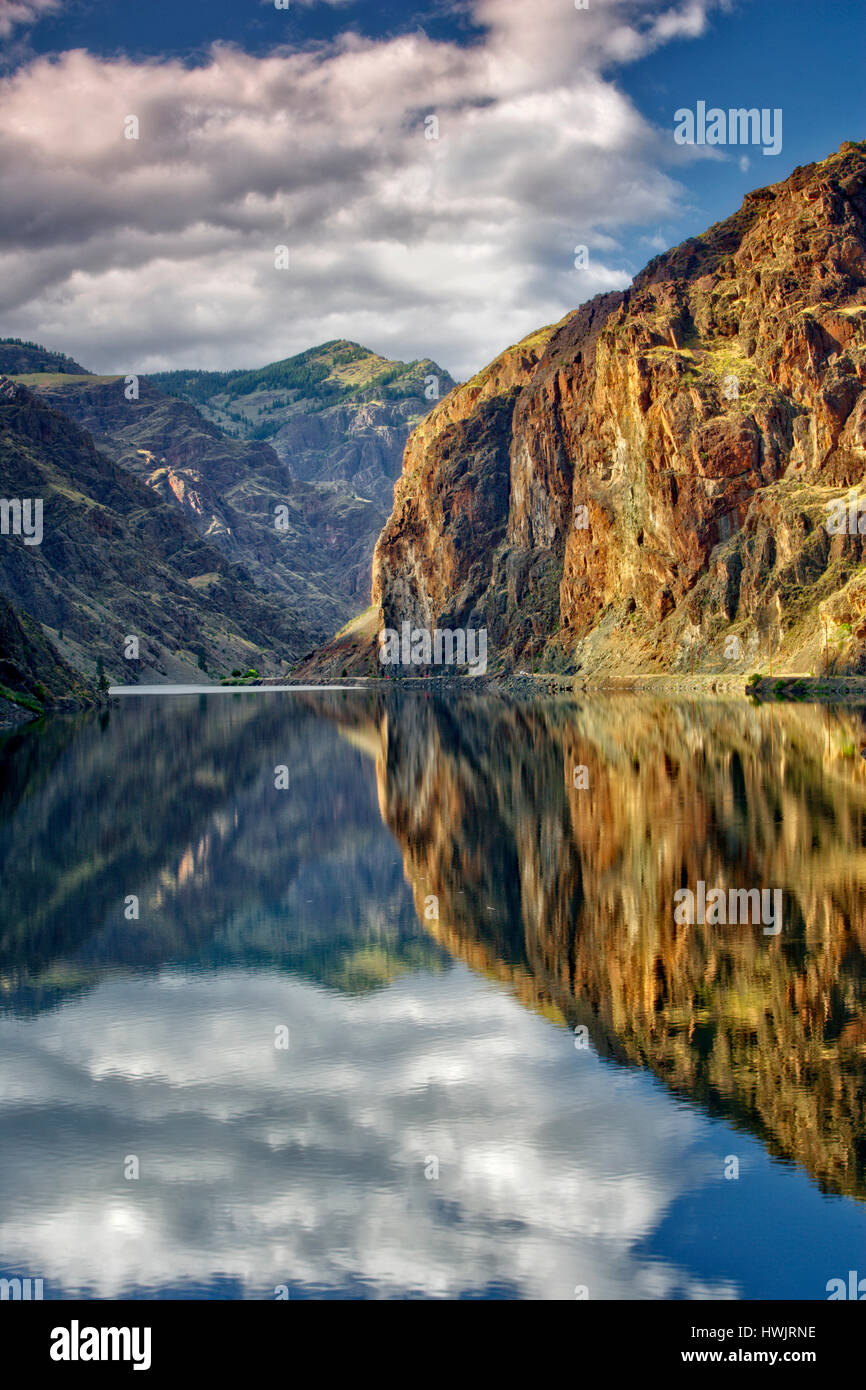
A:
[569,891]
[427,904]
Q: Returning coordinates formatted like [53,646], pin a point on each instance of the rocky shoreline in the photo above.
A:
[531,685]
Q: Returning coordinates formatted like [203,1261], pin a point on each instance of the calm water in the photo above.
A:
[440,919]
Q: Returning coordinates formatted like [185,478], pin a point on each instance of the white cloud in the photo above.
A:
[306,1167]
[20,12]
[159,251]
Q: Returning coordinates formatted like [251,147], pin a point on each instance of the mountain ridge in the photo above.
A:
[116,561]
[649,480]
[303,543]
[338,412]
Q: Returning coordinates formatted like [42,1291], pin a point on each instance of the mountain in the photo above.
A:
[337,413]
[648,483]
[115,560]
[18,358]
[258,551]
[228,490]
[337,417]
[32,671]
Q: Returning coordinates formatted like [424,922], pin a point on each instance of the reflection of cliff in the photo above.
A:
[175,802]
[566,894]
[569,893]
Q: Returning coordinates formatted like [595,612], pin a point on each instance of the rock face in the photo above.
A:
[33,675]
[286,474]
[647,484]
[358,446]
[114,560]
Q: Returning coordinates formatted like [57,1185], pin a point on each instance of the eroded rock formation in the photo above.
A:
[650,478]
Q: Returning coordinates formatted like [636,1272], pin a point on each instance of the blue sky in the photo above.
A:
[168,28]
[306,128]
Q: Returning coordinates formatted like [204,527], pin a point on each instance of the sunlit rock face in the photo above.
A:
[630,488]
[567,890]
[451,504]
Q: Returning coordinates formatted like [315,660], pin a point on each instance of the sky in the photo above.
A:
[429,169]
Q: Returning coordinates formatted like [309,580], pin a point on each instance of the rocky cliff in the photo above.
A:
[33,674]
[648,484]
[319,436]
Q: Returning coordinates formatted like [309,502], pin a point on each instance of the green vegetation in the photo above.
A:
[320,377]
[19,355]
[238,677]
[16,698]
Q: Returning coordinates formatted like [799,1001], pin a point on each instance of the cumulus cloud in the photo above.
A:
[136,254]
[20,12]
[306,1167]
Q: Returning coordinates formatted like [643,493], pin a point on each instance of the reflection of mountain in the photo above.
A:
[568,893]
[166,800]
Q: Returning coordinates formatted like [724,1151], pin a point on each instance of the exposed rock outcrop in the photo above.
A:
[289,470]
[229,491]
[33,674]
[647,484]
[336,413]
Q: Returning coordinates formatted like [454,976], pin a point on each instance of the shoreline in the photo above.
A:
[782,689]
